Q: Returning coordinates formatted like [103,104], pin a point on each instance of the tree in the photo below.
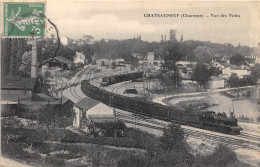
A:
[88,52]
[172,137]
[63,117]
[130,58]
[256,71]
[113,65]
[181,39]
[204,54]
[73,66]
[238,60]
[5,56]
[201,74]
[47,116]
[170,78]
[21,49]
[233,80]
[13,60]
[25,67]
[159,53]
[249,80]
[173,55]
[173,35]
[214,71]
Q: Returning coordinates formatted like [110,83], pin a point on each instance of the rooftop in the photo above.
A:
[234,67]
[225,64]
[64,100]
[63,59]
[86,103]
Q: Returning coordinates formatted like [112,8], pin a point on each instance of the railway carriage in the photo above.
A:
[120,78]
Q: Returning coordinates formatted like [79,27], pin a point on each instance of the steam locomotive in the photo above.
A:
[200,119]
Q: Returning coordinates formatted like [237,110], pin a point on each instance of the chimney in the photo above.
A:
[243,67]
[34,59]
[165,38]
[162,37]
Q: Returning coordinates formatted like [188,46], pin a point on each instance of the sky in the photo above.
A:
[123,20]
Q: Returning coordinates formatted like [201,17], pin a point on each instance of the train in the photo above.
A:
[208,120]
[120,78]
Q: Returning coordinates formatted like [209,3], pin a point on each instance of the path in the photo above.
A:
[161,98]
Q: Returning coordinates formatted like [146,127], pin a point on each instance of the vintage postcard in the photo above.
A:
[130,83]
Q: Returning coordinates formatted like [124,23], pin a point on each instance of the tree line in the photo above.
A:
[190,50]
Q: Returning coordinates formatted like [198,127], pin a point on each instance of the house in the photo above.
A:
[79,58]
[120,60]
[80,109]
[251,62]
[150,59]
[14,87]
[100,113]
[91,111]
[216,82]
[58,61]
[220,64]
[186,63]
[66,41]
[239,70]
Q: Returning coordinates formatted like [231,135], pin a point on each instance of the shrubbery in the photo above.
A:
[54,160]
[169,150]
[235,81]
[109,129]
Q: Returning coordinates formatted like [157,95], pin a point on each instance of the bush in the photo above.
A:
[111,129]
[173,137]
[132,160]
[42,147]
[54,160]
[223,156]
[72,138]
[67,156]
[249,80]
[15,150]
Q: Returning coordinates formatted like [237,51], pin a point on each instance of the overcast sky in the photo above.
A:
[122,20]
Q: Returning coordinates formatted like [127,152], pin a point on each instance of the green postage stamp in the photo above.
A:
[23,19]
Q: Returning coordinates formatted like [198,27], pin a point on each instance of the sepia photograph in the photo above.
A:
[88,83]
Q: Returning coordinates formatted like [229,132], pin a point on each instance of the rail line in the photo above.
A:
[234,142]
[243,134]
[76,81]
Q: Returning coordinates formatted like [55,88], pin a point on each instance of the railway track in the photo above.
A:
[244,140]
[242,135]
[77,81]
[73,86]
[234,142]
